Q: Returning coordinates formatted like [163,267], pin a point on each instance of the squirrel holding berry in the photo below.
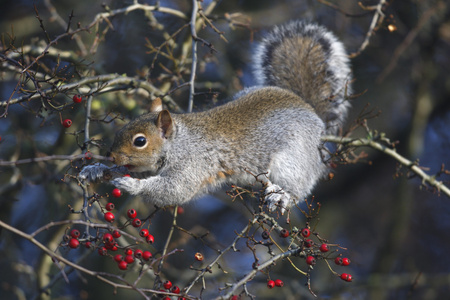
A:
[271,131]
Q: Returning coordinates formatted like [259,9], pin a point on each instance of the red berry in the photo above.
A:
[110,206]
[180,210]
[167,284]
[75,233]
[235,297]
[67,123]
[136,222]
[114,247]
[308,243]
[150,239]
[279,282]
[324,248]
[310,260]
[306,232]
[116,193]
[198,256]
[146,255]
[129,251]
[270,284]
[338,261]
[116,234]
[175,289]
[345,261]
[346,277]
[109,217]
[143,232]
[123,265]
[284,233]
[74,243]
[129,259]
[108,238]
[138,253]
[131,213]
[167,298]
[118,257]
[102,251]
[88,155]
[127,175]
[88,244]
[77,98]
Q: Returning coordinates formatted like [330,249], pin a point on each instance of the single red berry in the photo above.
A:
[136,222]
[182,298]
[284,233]
[123,265]
[74,243]
[180,210]
[138,253]
[144,232]
[127,175]
[109,217]
[146,255]
[116,193]
[279,282]
[131,213]
[306,232]
[150,239]
[116,234]
[167,284]
[129,251]
[110,206]
[198,256]
[77,98]
[114,247]
[346,277]
[345,261]
[108,238]
[102,251]
[75,233]
[308,243]
[270,284]
[175,289]
[235,297]
[118,257]
[67,123]
[324,248]
[88,155]
[265,234]
[88,244]
[338,261]
[310,260]
[129,259]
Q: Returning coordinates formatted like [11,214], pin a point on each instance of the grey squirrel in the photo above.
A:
[272,130]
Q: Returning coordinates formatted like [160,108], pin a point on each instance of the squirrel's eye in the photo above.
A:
[140,141]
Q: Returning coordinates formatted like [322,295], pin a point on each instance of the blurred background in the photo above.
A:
[396,230]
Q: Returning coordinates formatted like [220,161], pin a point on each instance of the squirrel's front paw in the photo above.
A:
[132,185]
[277,198]
[93,172]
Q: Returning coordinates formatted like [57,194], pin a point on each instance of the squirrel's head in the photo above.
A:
[138,144]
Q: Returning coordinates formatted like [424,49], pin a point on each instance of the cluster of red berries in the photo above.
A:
[68,122]
[311,259]
[130,256]
[108,242]
[169,287]
[273,283]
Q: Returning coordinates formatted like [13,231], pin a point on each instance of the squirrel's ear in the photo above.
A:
[156,105]
[165,123]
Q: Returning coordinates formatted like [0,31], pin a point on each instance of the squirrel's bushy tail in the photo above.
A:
[310,61]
